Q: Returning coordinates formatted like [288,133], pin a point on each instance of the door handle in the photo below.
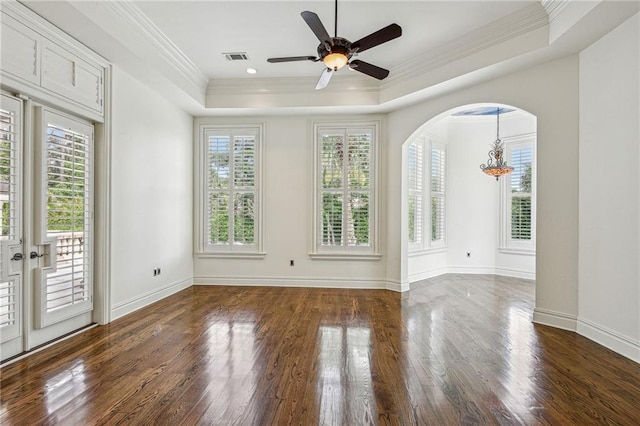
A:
[17,256]
[33,255]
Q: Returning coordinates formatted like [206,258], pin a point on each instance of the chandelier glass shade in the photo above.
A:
[496,166]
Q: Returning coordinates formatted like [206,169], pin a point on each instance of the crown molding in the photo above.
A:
[133,17]
[521,22]
[554,7]
[291,91]
[269,85]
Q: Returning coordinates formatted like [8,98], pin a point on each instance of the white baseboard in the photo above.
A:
[555,319]
[504,272]
[472,270]
[297,282]
[623,345]
[515,273]
[398,286]
[123,308]
[425,275]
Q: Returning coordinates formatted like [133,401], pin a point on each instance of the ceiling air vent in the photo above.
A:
[236,56]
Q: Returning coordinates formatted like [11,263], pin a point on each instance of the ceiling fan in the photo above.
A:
[336,52]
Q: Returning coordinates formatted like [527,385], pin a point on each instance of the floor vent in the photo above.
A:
[236,56]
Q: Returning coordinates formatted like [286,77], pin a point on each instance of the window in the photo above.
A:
[519,196]
[345,212]
[231,199]
[423,216]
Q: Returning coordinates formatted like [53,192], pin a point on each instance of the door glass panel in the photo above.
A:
[68,216]
[9,218]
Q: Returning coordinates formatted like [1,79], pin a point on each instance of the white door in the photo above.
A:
[11,256]
[53,197]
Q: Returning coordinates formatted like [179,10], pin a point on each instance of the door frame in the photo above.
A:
[101,313]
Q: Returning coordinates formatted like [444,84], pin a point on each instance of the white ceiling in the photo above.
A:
[176,46]
[263,29]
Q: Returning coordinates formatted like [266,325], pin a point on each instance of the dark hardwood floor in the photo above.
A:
[454,350]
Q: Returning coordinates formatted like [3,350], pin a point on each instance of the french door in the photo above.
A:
[46,240]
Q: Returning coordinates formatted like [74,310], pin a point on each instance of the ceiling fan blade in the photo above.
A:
[293,58]
[369,69]
[325,77]
[316,26]
[381,36]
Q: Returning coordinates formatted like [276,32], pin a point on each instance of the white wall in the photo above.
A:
[473,210]
[549,92]
[609,261]
[288,183]
[151,196]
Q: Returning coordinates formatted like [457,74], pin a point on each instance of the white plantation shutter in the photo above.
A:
[10,224]
[332,181]
[438,191]
[219,166]
[68,215]
[521,159]
[359,187]
[232,188]
[67,224]
[345,188]
[518,200]
[415,176]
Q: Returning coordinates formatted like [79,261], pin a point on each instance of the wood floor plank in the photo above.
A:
[454,350]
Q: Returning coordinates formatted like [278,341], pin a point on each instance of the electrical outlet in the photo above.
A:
[155,271]
[291,262]
[159,271]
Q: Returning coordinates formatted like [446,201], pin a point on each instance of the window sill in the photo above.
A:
[230,255]
[518,251]
[345,256]
[426,251]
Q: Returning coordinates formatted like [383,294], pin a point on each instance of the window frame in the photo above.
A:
[427,245]
[228,250]
[506,243]
[323,252]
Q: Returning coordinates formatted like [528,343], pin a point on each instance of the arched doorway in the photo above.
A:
[457,219]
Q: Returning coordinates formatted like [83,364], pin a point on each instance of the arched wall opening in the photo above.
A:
[457,219]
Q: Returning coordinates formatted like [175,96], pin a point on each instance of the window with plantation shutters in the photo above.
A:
[519,195]
[426,193]
[345,189]
[231,202]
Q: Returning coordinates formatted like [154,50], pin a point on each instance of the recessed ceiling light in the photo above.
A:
[252,70]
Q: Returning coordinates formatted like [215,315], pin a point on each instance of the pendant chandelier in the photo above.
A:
[496,166]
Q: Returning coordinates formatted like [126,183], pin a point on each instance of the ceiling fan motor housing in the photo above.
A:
[340,45]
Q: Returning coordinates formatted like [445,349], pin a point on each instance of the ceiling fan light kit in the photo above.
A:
[336,52]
